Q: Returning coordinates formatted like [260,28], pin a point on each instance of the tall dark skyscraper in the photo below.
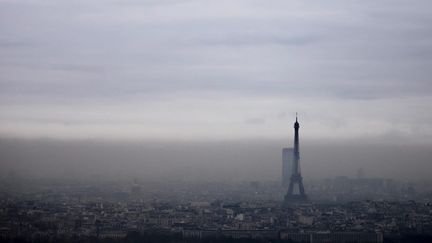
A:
[287,165]
[296,178]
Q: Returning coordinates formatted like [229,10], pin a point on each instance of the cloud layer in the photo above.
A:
[215,69]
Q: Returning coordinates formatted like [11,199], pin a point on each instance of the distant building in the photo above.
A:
[287,164]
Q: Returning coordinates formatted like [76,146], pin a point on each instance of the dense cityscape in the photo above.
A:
[58,210]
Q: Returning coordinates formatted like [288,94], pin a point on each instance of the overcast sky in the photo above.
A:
[185,70]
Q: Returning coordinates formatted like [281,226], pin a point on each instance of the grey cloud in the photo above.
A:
[149,2]
[282,115]
[79,68]
[4,43]
[255,121]
[109,51]
[246,40]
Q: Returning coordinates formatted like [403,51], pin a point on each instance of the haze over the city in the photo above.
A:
[209,89]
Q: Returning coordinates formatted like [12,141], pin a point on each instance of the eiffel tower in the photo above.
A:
[296,178]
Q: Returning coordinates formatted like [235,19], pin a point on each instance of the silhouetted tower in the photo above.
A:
[296,178]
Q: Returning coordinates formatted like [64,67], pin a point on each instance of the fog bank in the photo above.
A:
[208,160]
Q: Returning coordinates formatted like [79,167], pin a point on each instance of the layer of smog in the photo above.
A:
[215,121]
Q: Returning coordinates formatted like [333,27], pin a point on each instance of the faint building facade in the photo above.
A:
[287,164]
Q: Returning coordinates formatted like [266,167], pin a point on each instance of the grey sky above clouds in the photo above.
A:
[208,69]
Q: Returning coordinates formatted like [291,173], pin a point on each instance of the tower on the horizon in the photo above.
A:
[296,178]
